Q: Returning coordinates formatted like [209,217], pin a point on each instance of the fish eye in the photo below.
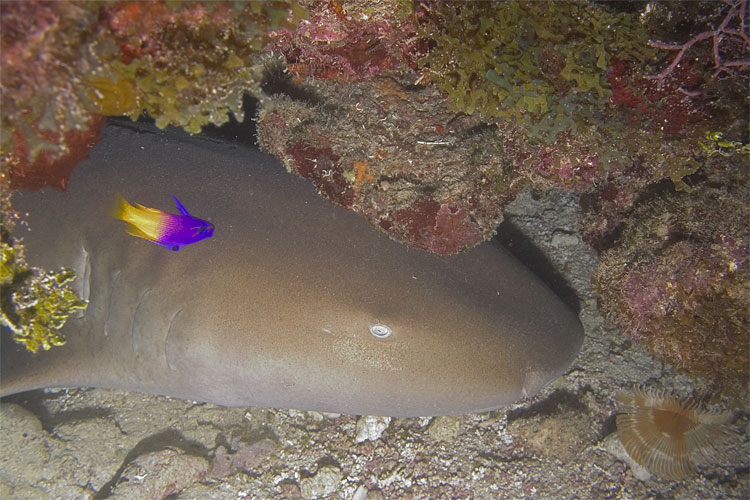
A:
[201,230]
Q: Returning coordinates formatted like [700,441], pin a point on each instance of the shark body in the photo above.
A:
[293,303]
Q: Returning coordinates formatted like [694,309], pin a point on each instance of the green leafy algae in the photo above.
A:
[517,59]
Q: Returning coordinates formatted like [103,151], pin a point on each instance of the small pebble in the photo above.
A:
[323,483]
[370,428]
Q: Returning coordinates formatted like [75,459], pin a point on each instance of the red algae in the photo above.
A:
[665,106]
[417,221]
[321,165]
[453,231]
[442,229]
[48,169]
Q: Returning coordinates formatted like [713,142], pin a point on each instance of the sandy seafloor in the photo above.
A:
[561,444]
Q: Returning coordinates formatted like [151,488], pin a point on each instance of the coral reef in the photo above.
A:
[48,169]
[661,106]
[678,276]
[730,43]
[567,87]
[668,435]
[44,117]
[518,58]
[65,64]
[35,304]
[424,175]
[186,66]
[8,216]
[415,174]
[538,70]
[562,85]
[350,41]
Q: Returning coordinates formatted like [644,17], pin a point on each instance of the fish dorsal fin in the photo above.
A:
[181,208]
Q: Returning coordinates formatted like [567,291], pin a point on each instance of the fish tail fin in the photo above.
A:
[135,231]
[121,208]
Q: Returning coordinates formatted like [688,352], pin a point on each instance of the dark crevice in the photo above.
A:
[648,194]
[556,401]
[278,81]
[524,249]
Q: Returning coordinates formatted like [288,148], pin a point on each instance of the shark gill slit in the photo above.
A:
[112,288]
[85,279]
[166,339]
[133,329]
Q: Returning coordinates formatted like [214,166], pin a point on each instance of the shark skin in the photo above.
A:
[278,309]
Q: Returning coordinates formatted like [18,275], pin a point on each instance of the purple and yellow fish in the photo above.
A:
[168,230]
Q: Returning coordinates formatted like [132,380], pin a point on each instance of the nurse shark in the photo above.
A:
[293,303]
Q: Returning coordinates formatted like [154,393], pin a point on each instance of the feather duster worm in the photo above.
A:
[668,435]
